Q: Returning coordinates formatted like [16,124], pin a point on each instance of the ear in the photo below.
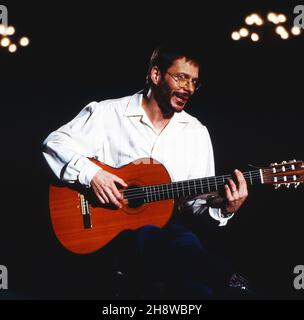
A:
[155,75]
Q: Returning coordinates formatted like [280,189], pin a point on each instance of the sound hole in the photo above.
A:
[135,198]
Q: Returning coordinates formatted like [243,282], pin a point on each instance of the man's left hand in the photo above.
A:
[236,194]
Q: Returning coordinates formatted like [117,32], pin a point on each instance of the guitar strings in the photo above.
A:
[192,183]
[138,192]
[177,187]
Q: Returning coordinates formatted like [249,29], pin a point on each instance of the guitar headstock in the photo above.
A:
[285,173]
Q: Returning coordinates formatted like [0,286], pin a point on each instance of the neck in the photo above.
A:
[153,110]
[186,188]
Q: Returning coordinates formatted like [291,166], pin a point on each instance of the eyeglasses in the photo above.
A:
[182,81]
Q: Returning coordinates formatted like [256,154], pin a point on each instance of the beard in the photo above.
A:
[164,94]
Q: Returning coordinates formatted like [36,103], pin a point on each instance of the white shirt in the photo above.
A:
[118,131]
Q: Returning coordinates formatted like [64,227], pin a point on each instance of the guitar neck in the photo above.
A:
[185,188]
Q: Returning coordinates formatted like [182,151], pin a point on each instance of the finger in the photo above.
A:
[104,196]
[228,193]
[232,185]
[98,192]
[115,191]
[241,182]
[100,198]
[112,197]
[120,181]
[234,190]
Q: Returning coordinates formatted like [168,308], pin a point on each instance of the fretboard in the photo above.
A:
[185,188]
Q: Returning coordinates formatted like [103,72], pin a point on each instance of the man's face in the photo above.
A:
[170,95]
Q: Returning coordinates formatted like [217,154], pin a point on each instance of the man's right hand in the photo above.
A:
[103,185]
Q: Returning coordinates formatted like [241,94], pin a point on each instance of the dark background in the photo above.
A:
[251,102]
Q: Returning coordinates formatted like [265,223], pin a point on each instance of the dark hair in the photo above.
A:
[164,56]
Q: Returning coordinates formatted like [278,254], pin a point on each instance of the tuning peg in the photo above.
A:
[283,162]
[273,164]
[277,186]
[287,185]
[296,184]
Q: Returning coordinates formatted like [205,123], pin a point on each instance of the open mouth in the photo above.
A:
[181,97]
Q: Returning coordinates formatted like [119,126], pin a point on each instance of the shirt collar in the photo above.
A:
[134,108]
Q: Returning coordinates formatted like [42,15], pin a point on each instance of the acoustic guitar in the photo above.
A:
[83,225]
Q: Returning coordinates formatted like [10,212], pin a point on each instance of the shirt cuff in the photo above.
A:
[217,214]
[87,172]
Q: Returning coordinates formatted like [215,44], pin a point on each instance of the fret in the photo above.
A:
[208,184]
[189,188]
[215,183]
[154,192]
[183,189]
[172,190]
[147,193]
[151,193]
[143,190]
[162,192]
[176,186]
[168,191]
[194,181]
[223,180]
[202,189]
[250,177]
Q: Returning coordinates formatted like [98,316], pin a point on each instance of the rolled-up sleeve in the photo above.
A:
[67,149]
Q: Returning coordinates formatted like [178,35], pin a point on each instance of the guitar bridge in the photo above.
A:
[85,211]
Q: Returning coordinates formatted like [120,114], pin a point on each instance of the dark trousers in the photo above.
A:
[175,256]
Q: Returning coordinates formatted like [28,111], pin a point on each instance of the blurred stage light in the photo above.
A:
[12,48]
[243,32]
[235,36]
[272,17]
[5,42]
[249,20]
[282,18]
[254,37]
[295,31]
[254,21]
[280,30]
[8,39]
[10,30]
[284,35]
[259,21]
[24,41]
[254,18]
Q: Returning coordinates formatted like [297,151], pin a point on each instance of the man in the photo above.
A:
[151,123]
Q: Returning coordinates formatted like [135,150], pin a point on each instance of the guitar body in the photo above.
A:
[70,218]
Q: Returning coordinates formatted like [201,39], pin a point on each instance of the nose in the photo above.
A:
[190,87]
